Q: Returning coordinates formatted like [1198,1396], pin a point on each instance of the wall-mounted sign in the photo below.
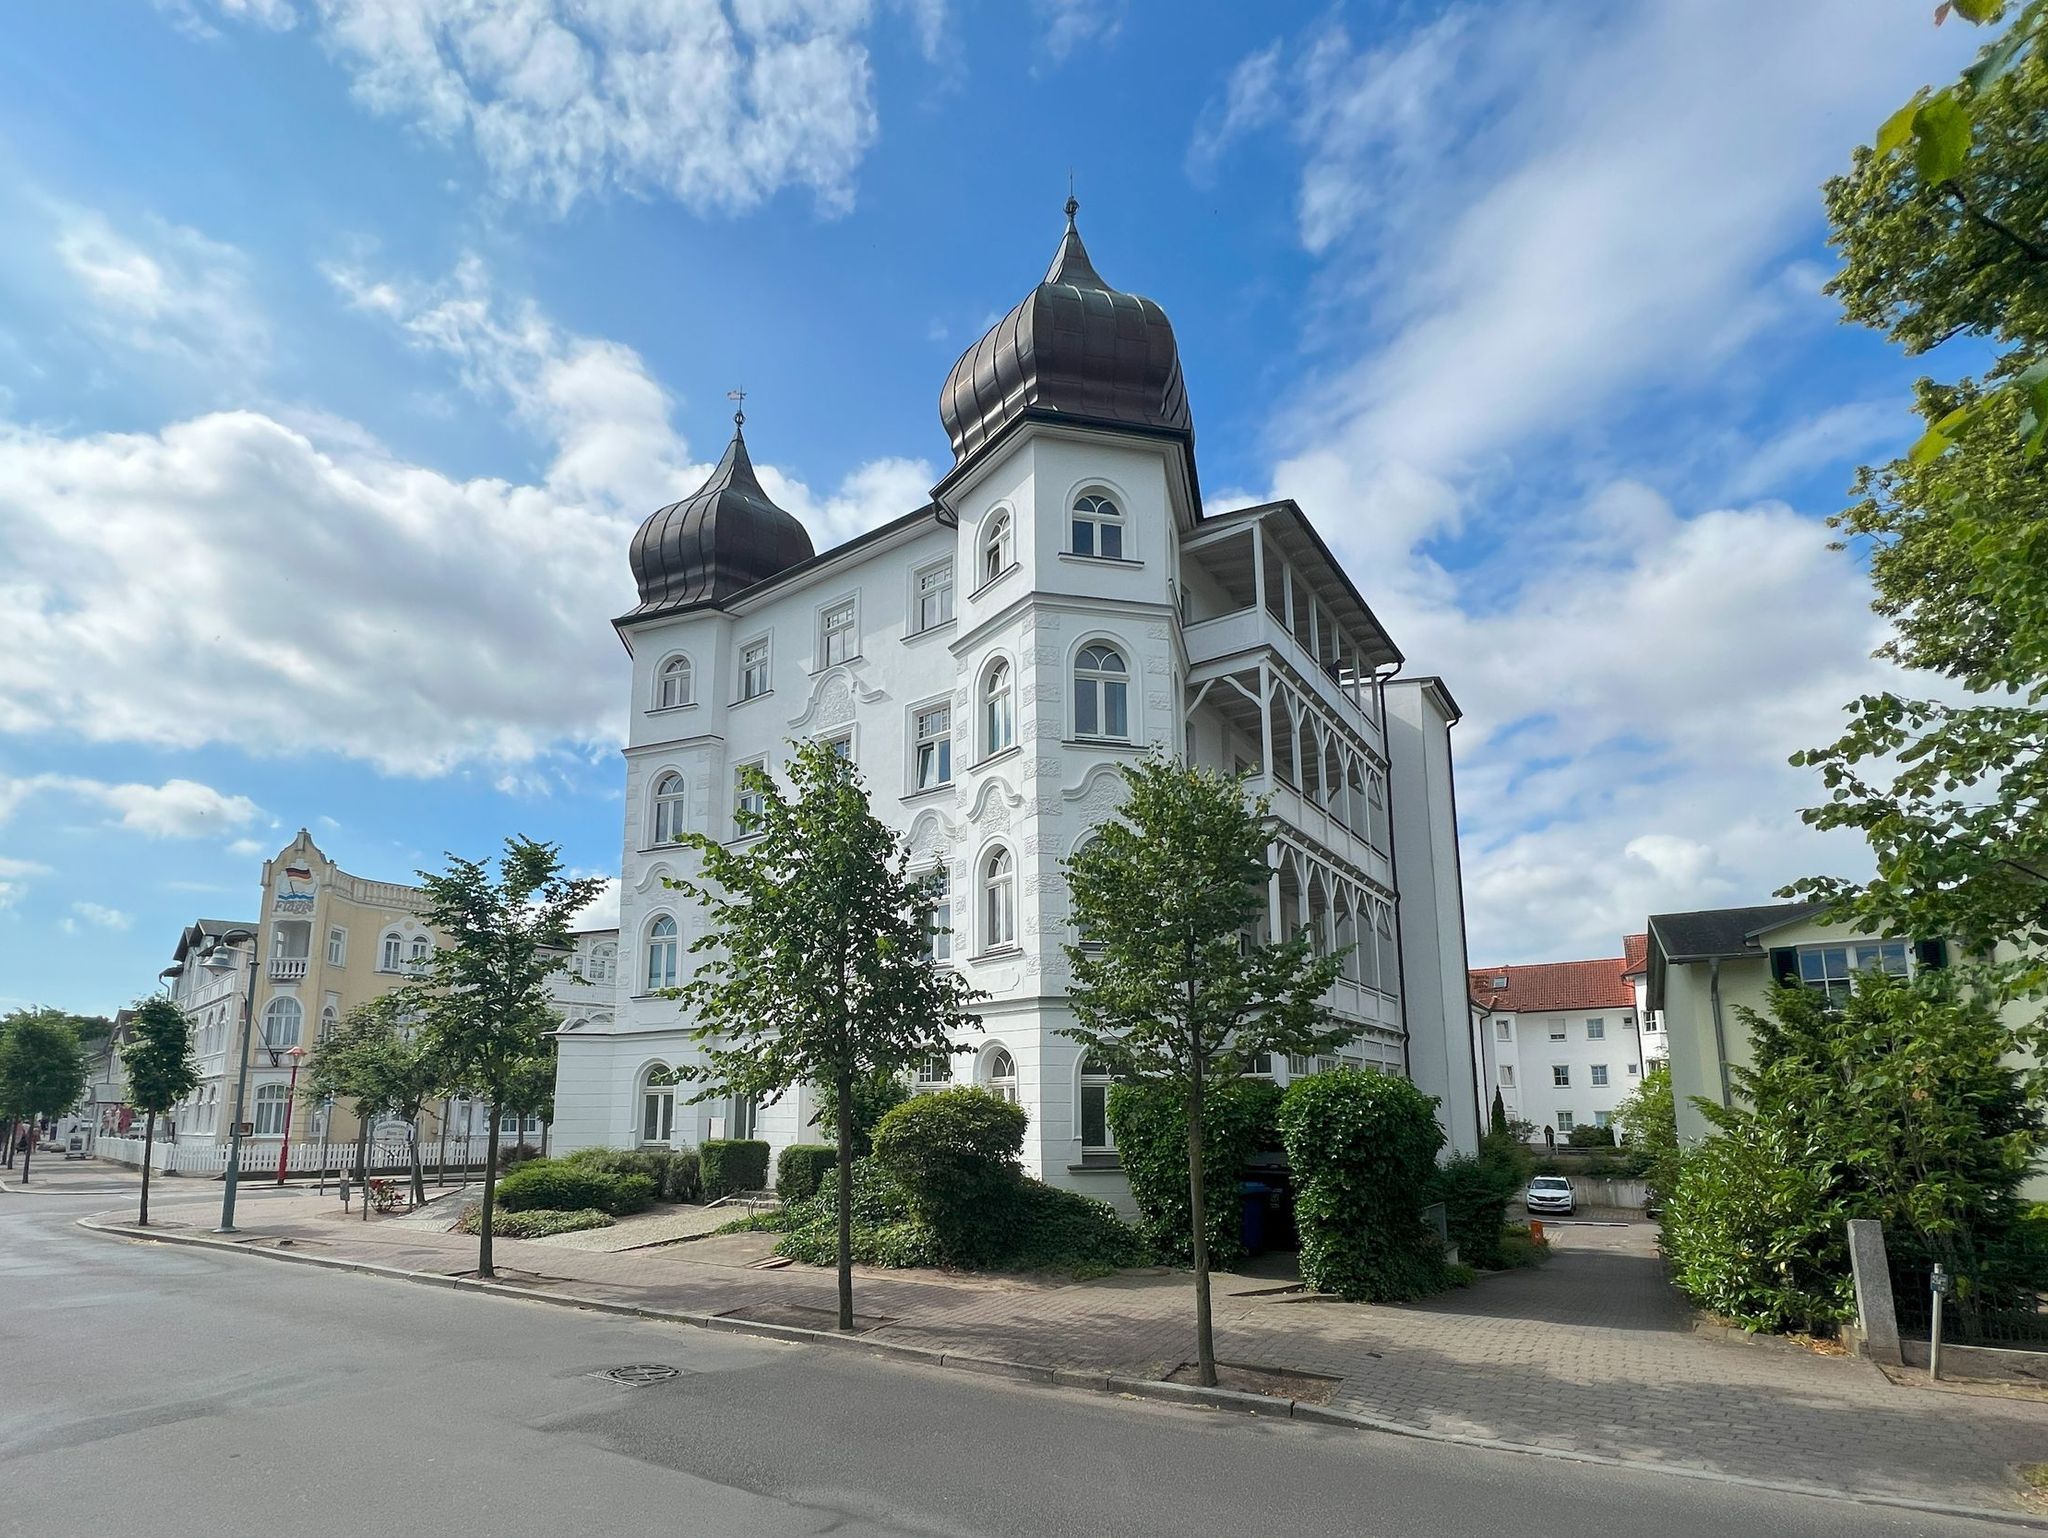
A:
[295,891]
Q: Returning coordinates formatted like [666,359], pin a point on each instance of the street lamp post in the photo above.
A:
[284,1147]
[218,960]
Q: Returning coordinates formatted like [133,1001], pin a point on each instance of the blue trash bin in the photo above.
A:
[1251,1223]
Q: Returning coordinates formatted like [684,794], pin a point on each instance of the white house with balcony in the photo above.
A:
[1062,605]
[1562,1040]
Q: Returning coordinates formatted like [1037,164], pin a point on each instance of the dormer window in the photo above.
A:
[1098,528]
[998,548]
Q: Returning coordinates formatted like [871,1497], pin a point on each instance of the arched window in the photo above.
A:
[1095,1134]
[1001,1070]
[668,808]
[658,1106]
[941,881]
[603,965]
[661,953]
[391,953]
[998,548]
[282,1019]
[271,1101]
[675,684]
[1098,527]
[422,951]
[330,1022]
[998,710]
[1102,693]
[998,900]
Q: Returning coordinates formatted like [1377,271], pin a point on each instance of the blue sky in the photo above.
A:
[342,345]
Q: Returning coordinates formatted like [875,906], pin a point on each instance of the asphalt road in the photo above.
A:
[151,1389]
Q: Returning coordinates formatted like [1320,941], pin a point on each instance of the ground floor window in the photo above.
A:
[745,1118]
[658,1107]
[271,1102]
[1565,1123]
[1002,1074]
[1095,1134]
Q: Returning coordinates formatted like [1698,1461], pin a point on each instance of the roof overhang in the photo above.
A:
[1289,528]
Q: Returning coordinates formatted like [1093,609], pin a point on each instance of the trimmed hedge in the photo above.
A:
[954,1153]
[1363,1148]
[1239,1119]
[800,1167]
[674,1171]
[557,1185]
[733,1164]
[1475,1193]
[533,1225]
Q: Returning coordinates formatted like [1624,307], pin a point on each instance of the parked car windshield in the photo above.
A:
[1550,1183]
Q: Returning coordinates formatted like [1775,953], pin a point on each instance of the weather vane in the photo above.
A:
[739,400]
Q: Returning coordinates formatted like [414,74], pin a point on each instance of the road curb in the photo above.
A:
[1184,1394]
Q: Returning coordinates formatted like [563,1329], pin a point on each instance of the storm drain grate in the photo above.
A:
[640,1374]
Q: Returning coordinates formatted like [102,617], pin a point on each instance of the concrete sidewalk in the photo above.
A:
[1592,1355]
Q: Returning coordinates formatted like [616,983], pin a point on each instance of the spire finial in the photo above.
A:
[1073,203]
[739,414]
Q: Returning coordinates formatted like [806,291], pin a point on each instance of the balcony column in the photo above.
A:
[1266,721]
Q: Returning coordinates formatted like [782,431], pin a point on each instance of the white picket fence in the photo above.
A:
[260,1157]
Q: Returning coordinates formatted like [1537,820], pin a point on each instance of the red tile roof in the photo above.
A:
[1635,952]
[1555,985]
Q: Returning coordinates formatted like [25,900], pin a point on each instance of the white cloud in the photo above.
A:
[602,912]
[248,848]
[1529,221]
[298,589]
[98,916]
[1840,435]
[169,291]
[174,809]
[716,106]
[1069,24]
[11,867]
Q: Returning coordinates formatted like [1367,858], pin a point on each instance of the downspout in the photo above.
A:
[1720,1031]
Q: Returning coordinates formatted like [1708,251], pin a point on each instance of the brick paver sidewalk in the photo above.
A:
[1593,1353]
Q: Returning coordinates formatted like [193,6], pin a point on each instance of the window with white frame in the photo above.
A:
[283,1018]
[272,1100]
[743,1116]
[932,748]
[1557,1030]
[933,605]
[1102,688]
[1603,1118]
[337,947]
[1596,1029]
[330,1022]
[754,669]
[1827,969]
[1599,1071]
[1298,1065]
[1566,1121]
[1507,1075]
[941,882]
[841,745]
[1095,1134]
[1561,1075]
[666,821]
[658,1106]
[1631,1069]
[934,1071]
[998,547]
[603,964]
[1504,1030]
[391,953]
[836,634]
[661,953]
[1001,1069]
[998,900]
[675,684]
[422,952]
[998,709]
[749,801]
[1098,527]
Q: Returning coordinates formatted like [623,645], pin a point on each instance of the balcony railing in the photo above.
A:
[287,969]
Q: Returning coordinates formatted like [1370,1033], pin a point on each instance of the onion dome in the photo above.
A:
[722,538]
[1074,349]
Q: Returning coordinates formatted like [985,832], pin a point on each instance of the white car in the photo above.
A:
[1550,1196]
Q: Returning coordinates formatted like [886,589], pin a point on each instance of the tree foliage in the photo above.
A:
[816,964]
[385,1064]
[42,1069]
[481,1004]
[1648,1119]
[157,1059]
[1172,986]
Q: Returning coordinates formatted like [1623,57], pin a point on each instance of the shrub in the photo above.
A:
[1519,1247]
[673,1171]
[1590,1137]
[733,1164]
[954,1153]
[512,1155]
[558,1185]
[872,1100]
[1363,1147]
[1475,1193]
[884,1231]
[800,1167]
[1240,1119]
[1060,1230]
[533,1225]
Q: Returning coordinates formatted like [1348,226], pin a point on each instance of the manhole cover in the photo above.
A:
[640,1374]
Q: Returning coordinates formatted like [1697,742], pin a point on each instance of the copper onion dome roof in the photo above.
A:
[722,538]
[1074,348]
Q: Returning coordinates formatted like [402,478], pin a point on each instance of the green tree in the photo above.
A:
[1648,1119]
[383,1061]
[816,965]
[531,1091]
[1497,1118]
[1172,985]
[873,1098]
[481,1001]
[42,1071]
[1951,241]
[158,1061]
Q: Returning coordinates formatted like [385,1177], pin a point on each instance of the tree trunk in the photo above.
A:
[483,1228]
[28,1150]
[148,1137]
[363,1160]
[844,1089]
[1205,1338]
[419,1170]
